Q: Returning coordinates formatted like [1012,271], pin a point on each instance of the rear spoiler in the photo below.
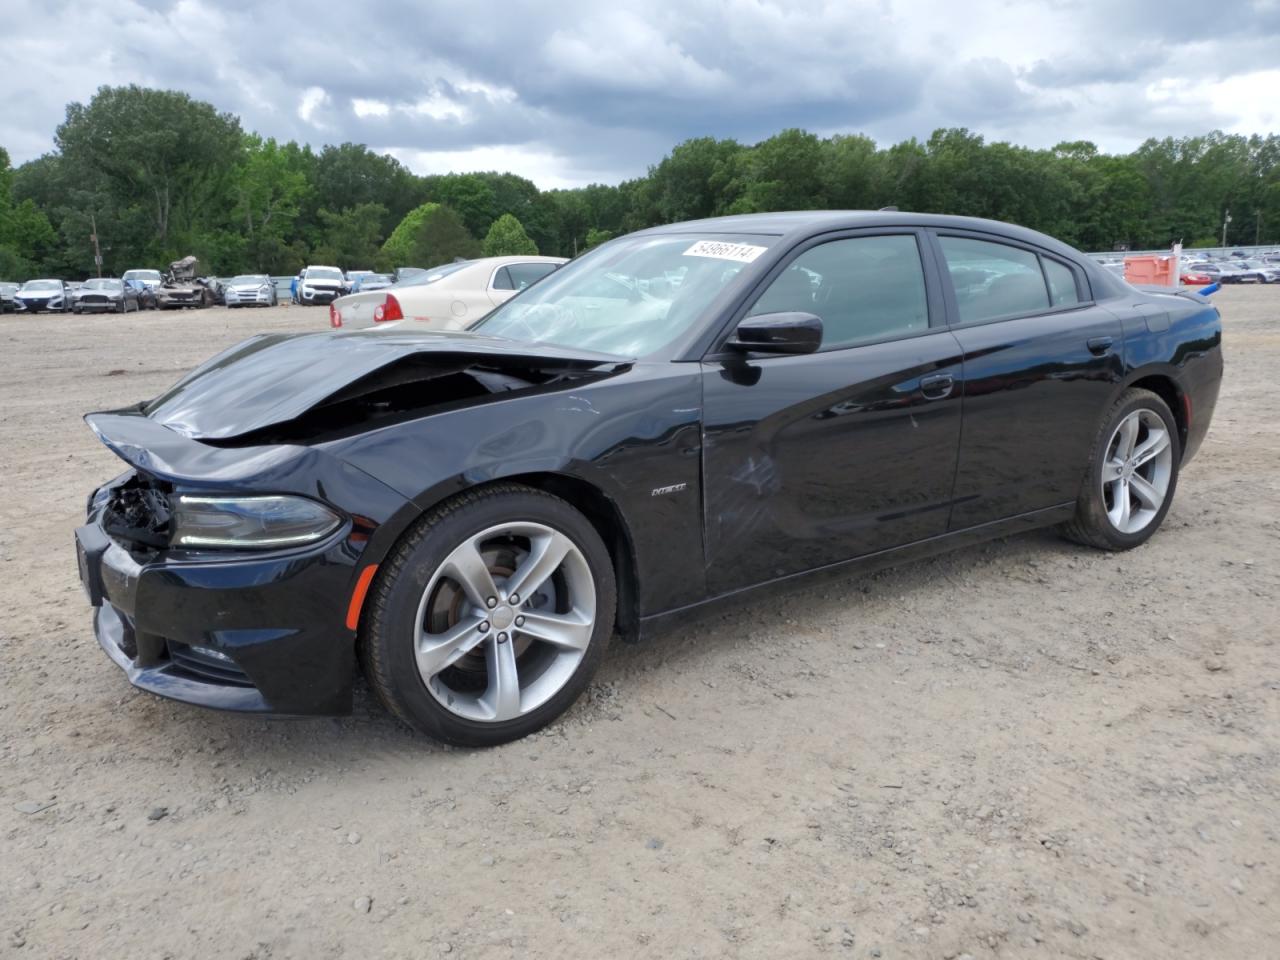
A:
[1196,294]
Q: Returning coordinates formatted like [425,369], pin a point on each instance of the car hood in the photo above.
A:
[274,378]
[323,283]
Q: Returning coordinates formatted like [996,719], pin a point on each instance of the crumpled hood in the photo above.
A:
[274,378]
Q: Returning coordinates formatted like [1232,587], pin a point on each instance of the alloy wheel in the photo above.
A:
[505,621]
[1137,471]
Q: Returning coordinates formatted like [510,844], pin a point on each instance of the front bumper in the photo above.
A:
[251,298]
[259,635]
[86,305]
[319,296]
[38,306]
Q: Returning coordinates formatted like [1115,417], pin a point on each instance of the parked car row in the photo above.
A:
[1239,271]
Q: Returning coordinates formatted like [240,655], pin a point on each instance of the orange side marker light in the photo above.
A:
[358,595]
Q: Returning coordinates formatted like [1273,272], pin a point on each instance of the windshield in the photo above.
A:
[152,275]
[42,285]
[1251,264]
[324,273]
[103,284]
[247,279]
[630,297]
[433,274]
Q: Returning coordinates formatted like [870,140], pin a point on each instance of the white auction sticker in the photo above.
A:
[739,252]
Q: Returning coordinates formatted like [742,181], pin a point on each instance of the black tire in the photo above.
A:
[385,642]
[1090,526]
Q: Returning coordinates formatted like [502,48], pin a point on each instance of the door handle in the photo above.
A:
[937,386]
[1100,346]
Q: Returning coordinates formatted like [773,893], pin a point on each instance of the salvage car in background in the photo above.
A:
[103,295]
[447,297]
[43,296]
[250,290]
[180,287]
[318,286]
[7,290]
[472,513]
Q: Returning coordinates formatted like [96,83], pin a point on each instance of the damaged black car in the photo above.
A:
[677,418]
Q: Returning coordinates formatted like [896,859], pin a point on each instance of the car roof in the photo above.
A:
[821,221]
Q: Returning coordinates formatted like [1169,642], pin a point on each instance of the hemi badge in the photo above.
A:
[674,488]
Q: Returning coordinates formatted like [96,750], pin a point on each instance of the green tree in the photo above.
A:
[159,150]
[596,237]
[442,237]
[270,185]
[506,238]
[352,236]
[469,195]
[397,251]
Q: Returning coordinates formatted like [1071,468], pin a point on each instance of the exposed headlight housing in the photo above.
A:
[249,523]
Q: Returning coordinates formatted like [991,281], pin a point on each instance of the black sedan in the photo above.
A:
[43,296]
[678,417]
[105,295]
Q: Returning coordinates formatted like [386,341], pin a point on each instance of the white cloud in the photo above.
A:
[312,99]
[370,108]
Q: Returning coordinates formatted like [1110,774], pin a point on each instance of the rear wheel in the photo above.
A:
[1132,474]
[490,617]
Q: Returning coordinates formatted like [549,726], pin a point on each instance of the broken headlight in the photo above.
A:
[249,523]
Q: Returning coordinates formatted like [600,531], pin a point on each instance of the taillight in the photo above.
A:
[388,311]
[335,316]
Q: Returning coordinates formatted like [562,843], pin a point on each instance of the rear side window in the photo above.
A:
[863,288]
[517,276]
[993,280]
[1062,283]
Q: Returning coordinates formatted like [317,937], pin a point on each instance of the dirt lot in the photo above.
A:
[1023,749]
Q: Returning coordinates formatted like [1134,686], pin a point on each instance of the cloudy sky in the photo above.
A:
[568,92]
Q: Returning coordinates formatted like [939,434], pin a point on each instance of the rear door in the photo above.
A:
[1041,363]
[811,460]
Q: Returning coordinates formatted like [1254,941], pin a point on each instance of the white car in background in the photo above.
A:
[320,285]
[448,297]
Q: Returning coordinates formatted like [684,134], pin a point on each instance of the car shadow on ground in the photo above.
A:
[700,648]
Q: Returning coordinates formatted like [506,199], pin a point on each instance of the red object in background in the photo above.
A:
[1196,279]
[335,316]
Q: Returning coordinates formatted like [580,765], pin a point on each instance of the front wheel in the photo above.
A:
[489,618]
[1132,474]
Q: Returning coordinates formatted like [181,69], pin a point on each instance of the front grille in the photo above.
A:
[201,665]
[95,299]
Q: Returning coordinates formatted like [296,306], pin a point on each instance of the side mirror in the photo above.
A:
[778,333]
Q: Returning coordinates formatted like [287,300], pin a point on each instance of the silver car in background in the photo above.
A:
[250,290]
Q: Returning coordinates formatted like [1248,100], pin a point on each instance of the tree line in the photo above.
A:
[154,175]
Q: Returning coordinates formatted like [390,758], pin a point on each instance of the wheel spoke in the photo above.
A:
[569,631]
[545,555]
[1156,443]
[1112,470]
[1127,437]
[502,697]
[1119,512]
[1147,495]
[438,651]
[467,567]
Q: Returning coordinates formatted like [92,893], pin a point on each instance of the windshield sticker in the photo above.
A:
[738,252]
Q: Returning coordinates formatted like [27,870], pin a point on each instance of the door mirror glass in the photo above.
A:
[778,333]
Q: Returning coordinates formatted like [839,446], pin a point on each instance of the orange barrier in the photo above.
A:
[1157,271]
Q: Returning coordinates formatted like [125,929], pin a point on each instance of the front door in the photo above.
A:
[810,460]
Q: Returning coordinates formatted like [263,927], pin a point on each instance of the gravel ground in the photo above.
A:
[1022,749]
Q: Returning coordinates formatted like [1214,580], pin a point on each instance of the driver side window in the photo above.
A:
[864,289]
